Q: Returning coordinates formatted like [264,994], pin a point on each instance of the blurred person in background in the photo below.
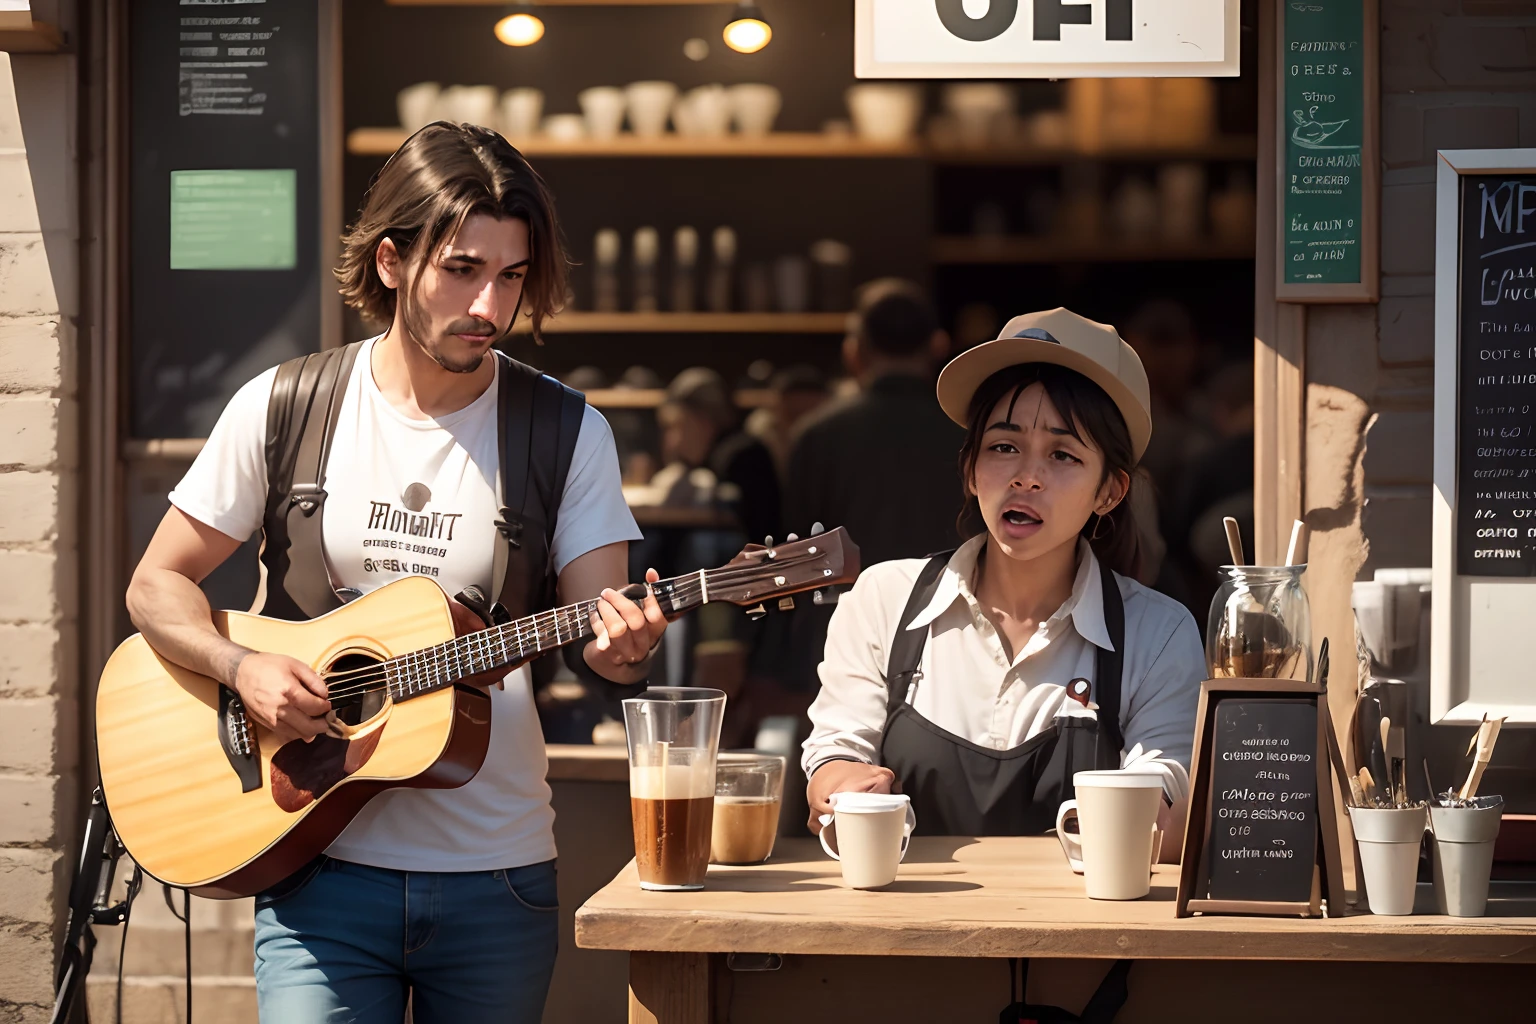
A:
[1219,483]
[882,463]
[1163,335]
[794,393]
[700,429]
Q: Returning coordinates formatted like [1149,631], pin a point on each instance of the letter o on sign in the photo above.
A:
[1000,14]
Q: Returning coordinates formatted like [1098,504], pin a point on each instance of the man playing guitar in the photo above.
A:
[443,896]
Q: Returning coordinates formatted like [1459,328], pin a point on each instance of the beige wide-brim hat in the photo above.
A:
[1062,338]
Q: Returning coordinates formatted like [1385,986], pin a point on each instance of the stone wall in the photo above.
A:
[39,677]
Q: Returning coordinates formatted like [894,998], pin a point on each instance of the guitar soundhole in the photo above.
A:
[356,683]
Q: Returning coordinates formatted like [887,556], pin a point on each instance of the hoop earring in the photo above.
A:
[1102,520]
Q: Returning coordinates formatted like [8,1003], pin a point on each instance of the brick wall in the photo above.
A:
[39,685]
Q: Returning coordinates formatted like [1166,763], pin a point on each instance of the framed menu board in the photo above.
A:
[232,184]
[1484,551]
[1261,836]
[1327,150]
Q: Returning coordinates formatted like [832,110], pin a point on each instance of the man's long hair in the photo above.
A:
[421,197]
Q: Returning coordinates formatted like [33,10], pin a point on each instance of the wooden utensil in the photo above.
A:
[1298,542]
[1483,742]
[1234,539]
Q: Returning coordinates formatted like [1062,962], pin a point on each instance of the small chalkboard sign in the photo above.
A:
[1261,836]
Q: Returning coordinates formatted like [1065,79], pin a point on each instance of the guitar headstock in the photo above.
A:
[761,573]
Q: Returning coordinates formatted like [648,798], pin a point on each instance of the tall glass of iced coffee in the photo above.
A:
[674,738]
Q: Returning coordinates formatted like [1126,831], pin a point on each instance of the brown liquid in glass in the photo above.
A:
[672,839]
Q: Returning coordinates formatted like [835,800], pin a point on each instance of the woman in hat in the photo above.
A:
[979,681]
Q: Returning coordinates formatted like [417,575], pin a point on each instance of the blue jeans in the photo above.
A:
[351,942]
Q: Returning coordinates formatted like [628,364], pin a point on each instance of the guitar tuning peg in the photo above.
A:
[756,613]
[786,604]
[817,528]
[826,595]
[791,538]
[768,541]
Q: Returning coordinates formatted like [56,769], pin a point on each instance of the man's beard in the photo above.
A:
[418,333]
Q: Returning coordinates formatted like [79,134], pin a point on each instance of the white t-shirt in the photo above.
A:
[420,497]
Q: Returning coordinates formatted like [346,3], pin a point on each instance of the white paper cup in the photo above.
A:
[1389,839]
[1464,838]
[1117,815]
[868,834]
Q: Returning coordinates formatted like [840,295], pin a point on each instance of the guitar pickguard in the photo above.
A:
[304,772]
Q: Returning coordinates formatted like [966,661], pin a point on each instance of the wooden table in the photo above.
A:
[983,898]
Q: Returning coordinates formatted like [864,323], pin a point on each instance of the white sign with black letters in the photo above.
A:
[1045,38]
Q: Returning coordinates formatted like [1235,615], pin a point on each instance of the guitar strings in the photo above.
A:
[575,617]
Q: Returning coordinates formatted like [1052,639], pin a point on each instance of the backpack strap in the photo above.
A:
[907,646]
[539,420]
[302,412]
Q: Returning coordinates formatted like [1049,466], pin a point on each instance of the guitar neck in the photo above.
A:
[513,643]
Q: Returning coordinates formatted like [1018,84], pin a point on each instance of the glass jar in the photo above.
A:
[1260,625]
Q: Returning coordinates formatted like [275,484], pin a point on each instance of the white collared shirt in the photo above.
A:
[969,686]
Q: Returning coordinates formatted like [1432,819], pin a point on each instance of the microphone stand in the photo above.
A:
[89,896]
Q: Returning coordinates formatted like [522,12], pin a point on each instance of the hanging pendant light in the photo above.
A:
[520,29]
[747,31]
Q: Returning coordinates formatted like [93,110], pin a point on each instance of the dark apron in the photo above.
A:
[960,788]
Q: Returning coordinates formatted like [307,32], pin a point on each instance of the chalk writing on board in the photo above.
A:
[1496,442]
[1263,827]
[1323,73]
[224,60]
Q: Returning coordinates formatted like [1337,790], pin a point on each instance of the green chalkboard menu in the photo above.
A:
[1327,222]
[1496,377]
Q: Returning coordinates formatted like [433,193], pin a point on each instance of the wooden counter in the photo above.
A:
[984,898]
[580,762]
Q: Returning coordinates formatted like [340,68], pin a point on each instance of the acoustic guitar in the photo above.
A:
[206,800]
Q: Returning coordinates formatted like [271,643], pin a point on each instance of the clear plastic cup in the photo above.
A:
[674,737]
[749,791]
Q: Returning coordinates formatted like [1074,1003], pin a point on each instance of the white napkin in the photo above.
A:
[1151,762]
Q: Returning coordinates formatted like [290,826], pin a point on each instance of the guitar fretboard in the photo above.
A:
[433,668]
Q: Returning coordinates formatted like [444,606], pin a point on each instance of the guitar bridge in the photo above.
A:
[235,738]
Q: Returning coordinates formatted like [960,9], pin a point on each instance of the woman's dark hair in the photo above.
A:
[1094,420]
[421,197]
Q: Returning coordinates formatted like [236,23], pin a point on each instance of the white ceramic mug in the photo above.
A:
[650,104]
[1117,815]
[521,110]
[868,833]
[603,108]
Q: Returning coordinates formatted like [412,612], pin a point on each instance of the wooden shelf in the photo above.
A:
[694,323]
[384,141]
[964,249]
[42,37]
[811,145]
[552,3]
[1231,147]
[650,398]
